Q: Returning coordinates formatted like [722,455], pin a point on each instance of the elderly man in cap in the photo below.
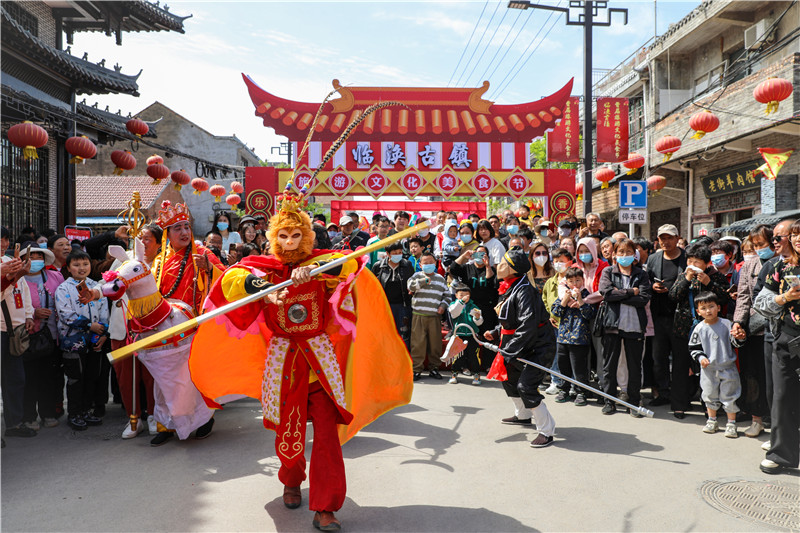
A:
[524,331]
[664,267]
[350,237]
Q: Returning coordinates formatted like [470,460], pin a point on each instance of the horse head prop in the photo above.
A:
[133,276]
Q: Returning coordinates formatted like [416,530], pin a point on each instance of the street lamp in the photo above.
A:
[284,149]
[585,18]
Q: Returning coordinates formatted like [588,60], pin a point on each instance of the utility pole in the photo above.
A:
[586,18]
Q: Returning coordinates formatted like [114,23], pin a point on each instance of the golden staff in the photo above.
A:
[133,216]
[156,338]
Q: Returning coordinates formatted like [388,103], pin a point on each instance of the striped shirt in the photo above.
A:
[429,293]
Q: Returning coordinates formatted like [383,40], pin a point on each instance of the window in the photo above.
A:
[636,120]
[22,17]
[24,194]
[726,219]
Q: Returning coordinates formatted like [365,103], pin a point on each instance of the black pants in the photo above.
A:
[769,344]
[752,374]
[683,385]
[785,437]
[573,361]
[664,344]
[647,363]
[523,382]
[39,388]
[100,396]
[82,372]
[13,383]
[612,347]
[469,358]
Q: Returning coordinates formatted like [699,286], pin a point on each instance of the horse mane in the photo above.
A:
[140,307]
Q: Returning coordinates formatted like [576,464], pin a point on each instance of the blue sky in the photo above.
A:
[295,49]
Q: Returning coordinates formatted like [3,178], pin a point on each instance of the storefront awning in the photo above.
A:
[94,221]
[743,226]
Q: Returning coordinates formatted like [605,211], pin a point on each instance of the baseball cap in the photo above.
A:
[345,219]
[668,229]
[566,223]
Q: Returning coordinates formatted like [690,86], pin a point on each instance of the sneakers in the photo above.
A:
[77,423]
[453,380]
[204,430]
[476,379]
[562,397]
[152,426]
[552,389]
[754,430]
[541,441]
[161,438]
[434,374]
[711,426]
[20,430]
[514,421]
[91,419]
[580,400]
[33,425]
[766,446]
[49,422]
[634,413]
[609,409]
[129,433]
[326,521]
[417,376]
[730,430]
[770,467]
[623,395]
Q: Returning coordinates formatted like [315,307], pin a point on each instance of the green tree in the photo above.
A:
[539,157]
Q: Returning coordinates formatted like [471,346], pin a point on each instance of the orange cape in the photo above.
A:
[228,355]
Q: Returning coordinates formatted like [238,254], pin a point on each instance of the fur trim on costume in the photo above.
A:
[291,220]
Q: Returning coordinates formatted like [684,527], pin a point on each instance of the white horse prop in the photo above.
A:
[179,405]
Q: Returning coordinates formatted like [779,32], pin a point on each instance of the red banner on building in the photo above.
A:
[562,142]
[612,130]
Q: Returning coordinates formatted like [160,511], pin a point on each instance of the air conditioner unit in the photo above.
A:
[758,33]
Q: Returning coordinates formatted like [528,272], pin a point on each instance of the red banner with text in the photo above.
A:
[562,142]
[612,130]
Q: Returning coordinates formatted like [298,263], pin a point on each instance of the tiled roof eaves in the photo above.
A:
[91,78]
[158,15]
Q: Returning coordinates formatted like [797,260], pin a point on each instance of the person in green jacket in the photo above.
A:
[464,311]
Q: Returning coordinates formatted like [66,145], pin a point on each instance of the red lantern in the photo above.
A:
[635,162]
[772,91]
[29,137]
[158,172]
[181,178]
[579,191]
[233,200]
[218,191]
[668,145]
[703,122]
[80,148]
[199,185]
[137,126]
[155,160]
[656,183]
[604,175]
[124,161]
[237,187]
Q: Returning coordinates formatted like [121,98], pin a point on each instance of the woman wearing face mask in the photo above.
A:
[466,235]
[222,226]
[486,237]
[475,269]
[626,290]
[541,268]
[39,373]
[750,325]
[722,256]
[593,267]
[748,252]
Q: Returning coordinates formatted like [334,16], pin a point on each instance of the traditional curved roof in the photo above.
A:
[431,114]
[89,78]
[120,15]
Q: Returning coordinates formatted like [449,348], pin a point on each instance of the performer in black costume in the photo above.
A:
[524,332]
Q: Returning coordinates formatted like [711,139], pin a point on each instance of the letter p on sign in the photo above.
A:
[632,195]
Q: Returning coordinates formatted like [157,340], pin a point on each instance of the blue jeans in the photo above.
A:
[13,383]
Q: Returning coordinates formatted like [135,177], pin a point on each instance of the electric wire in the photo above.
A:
[488,44]
[477,23]
[499,48]
[478,45]
[510,46]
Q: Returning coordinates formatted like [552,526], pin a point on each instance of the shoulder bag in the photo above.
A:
[19,338]
[42,343]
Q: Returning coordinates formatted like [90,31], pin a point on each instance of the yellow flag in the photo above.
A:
[774,160]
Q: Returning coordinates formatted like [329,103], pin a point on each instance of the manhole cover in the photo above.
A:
[776,504]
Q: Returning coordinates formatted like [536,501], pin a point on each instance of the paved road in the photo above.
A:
[441,463]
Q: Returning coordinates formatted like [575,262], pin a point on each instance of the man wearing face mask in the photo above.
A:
[429,243]
[512,229]
[722,254]
[545,231]
[393,272]
[524,331]
[566,228]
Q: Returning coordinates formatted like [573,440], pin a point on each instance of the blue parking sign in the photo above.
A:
[633,194]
